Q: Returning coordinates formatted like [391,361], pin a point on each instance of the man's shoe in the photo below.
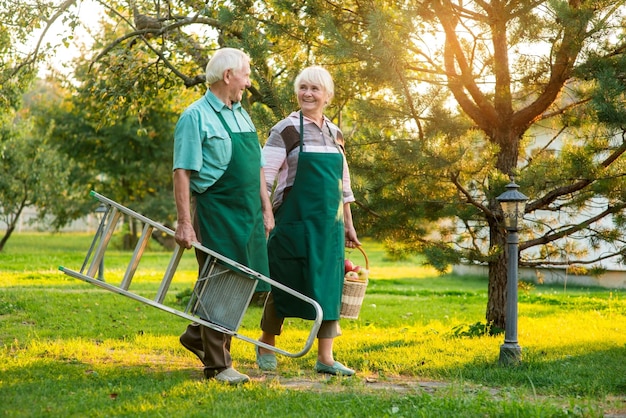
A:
[266,362]
[336,369]
[192,341]
[232,377]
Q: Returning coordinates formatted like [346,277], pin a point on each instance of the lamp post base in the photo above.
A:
[510,354]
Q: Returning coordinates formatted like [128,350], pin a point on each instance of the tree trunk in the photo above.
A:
[11,224]
[6,236]
[507,137]
[131,238]
[496,303]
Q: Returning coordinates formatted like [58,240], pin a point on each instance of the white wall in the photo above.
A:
[612,279]
[27,223]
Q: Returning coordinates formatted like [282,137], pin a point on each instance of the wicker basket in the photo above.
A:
[353,294]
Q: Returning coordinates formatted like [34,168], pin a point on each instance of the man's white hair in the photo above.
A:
[225,59]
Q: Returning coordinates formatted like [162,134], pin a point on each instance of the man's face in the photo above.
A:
[238,81]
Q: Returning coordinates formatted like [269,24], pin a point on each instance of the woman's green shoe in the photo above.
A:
[266,362]
[336,369]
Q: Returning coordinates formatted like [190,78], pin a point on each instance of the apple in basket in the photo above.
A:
[362,272]
[352,276]
[348,266]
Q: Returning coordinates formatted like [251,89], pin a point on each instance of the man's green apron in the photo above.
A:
[229,212]
[306,247]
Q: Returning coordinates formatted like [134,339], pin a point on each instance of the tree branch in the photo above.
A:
[32,57]
[579,185]
[565,57]
[568,262]
[575,228]
[454,178]
[480,109]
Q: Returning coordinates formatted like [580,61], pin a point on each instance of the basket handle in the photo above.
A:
[367,261]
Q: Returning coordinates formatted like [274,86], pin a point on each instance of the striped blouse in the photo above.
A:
[282,149]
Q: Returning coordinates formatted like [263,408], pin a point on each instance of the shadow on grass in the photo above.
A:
[597,373]
[71,388]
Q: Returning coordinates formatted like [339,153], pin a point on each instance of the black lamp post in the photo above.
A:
[101,211]
[513,204]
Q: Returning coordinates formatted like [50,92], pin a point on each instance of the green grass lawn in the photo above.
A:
[68,348]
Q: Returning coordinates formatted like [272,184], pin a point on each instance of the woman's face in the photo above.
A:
[311,97]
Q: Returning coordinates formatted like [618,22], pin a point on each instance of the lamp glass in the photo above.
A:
[513,211]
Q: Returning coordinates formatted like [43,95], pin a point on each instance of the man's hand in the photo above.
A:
[185,235]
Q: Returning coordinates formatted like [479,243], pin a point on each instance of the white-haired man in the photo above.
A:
[220,192]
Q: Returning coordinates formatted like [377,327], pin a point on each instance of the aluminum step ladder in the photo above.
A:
[221,294]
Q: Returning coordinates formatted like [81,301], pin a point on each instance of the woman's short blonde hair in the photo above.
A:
[316,75]
[225,59]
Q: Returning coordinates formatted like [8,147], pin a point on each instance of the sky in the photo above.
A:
[89,13]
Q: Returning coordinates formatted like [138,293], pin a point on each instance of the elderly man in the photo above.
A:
[220,192]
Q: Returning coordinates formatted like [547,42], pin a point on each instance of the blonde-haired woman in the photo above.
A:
[307,171]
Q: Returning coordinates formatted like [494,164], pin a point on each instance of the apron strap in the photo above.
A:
[302,134]
[301,131]
[224,124]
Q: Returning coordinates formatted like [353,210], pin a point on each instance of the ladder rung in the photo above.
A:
[104,241]
[134,261]
[169,273]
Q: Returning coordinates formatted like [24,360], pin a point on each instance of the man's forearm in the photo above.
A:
[181,195]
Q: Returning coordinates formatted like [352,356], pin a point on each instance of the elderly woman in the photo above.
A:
[311,200]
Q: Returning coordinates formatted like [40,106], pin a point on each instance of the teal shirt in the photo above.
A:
[202,145]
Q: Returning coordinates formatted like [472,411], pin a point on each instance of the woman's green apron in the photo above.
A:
[229,212]
[306,246]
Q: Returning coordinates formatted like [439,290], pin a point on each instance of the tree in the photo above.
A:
[121,102]
[430,174]
[32,172]
[441,102]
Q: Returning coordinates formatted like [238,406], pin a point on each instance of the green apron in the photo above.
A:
[229,212]
[306,247]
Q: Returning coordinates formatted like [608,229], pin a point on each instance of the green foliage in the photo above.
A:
[609,87]
[475,330]
[127,159]
[439,102]
[34,175]
[525,287]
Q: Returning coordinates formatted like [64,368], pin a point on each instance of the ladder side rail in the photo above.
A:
[95,238]
[169,273]
[135,296]
[134,261]
[162,228]
[132,213]
[115,289]
[104,242]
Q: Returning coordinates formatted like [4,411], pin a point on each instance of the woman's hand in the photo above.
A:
[352,241]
